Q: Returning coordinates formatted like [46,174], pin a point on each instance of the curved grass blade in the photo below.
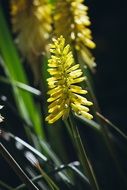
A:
[22,86]
[65,177]
[7,135]
[71,166]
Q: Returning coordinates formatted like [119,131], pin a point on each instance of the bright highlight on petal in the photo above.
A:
[65,94]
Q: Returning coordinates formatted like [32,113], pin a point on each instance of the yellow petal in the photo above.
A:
[54,90]
[79,91]
[82,107]
[81,100]
[69,60]
[66,50]
[73,68]
[78,80]
[51,99]
[53,71]
[90,43]
[86,115]
[76,74]
[53,118]
[56,102]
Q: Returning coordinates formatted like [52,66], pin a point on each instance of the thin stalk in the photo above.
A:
[22,175]
[82,154]
[48,179]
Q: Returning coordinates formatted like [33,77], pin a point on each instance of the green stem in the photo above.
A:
[82,153]
[48,179]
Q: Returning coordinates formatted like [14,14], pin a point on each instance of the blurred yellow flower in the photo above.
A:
[31,21]
[63,90]
[71,21]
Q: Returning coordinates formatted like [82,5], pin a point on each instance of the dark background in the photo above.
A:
[109,28]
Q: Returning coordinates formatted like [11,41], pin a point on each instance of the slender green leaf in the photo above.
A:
[14,70]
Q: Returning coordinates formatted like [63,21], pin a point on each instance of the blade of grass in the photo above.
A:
[47,150]
[25,144]
[22,86]
[92,124]
[70,166]
[31,148]
[50,182]
[11,161]
[14,70]
[65,177]
[97,127]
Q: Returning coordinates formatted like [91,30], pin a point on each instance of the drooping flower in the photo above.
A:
[65,93]
[71,20]
[1,118]
[31,21]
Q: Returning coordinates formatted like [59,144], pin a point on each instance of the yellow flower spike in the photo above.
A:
[1,118]
[31,21]
[71,20]
[63,91]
